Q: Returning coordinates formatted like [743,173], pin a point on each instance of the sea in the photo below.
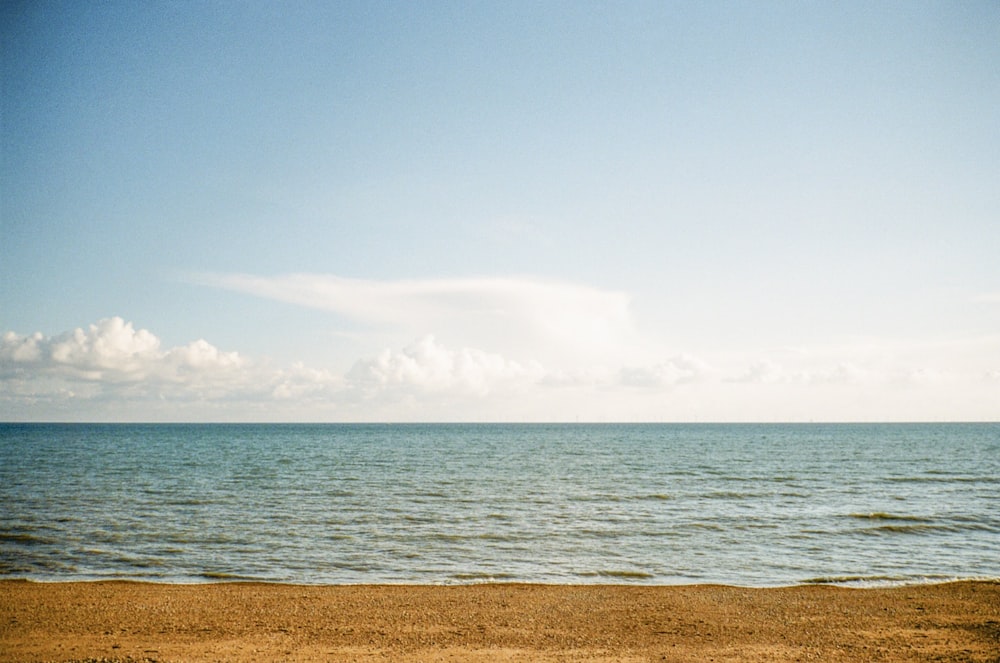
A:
[662,504]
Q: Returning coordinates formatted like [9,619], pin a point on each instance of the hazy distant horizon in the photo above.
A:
[457,423]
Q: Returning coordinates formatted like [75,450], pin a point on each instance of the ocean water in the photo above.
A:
[752,505]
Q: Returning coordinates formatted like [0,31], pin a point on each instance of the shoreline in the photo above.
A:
[243,621]
[609,580]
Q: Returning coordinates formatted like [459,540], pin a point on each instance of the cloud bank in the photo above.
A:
[112,363]
[112,370]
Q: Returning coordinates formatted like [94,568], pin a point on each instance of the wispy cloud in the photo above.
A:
[526,316]
[769,372]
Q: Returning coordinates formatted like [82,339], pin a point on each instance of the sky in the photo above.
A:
[500,211]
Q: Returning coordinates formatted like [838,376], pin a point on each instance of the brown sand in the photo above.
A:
[255,622]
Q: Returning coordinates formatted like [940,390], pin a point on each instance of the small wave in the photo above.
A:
[144,562]
[340,537]
[784,479]
[354,568]
[10,568]
[191,501]
[618,573]
[104,536]
[732,495]
[907,524]
[220,538]
[493,536]
[24,538]
[881,515]
[437,494]
[482,576]
[711,527]
[96,552]
[411,518]
[601,533]
[222,575]
[940,478]
[56,565]
[447,538]
[919,528]
[596,497]
[120,558]
[845,580]
[886,580]
[171,550]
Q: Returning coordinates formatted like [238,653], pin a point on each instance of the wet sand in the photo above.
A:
[505,622]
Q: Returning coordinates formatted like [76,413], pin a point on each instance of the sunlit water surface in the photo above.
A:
[752,505]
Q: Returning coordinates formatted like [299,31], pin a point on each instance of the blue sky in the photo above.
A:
[501,211]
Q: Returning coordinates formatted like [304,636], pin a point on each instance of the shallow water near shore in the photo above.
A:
[749,504]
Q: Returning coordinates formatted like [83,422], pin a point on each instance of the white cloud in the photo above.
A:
[676,370]
[112,359]
[202,355]
[766,371]
[428,366]
[301,382]
[16,349]
[525,317]
[111,350]
[111,370]
[111,345]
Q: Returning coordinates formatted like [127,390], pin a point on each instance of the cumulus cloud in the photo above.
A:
[676,370]
[116,371]
[111,346]
[301,382]
[201,355]
[15,350]
[111,364]
[111,350]
[431,367]
[532,316]
[111,359]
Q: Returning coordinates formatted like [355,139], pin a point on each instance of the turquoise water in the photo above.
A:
[752,505]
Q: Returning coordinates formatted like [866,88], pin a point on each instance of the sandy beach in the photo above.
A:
[496,622]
